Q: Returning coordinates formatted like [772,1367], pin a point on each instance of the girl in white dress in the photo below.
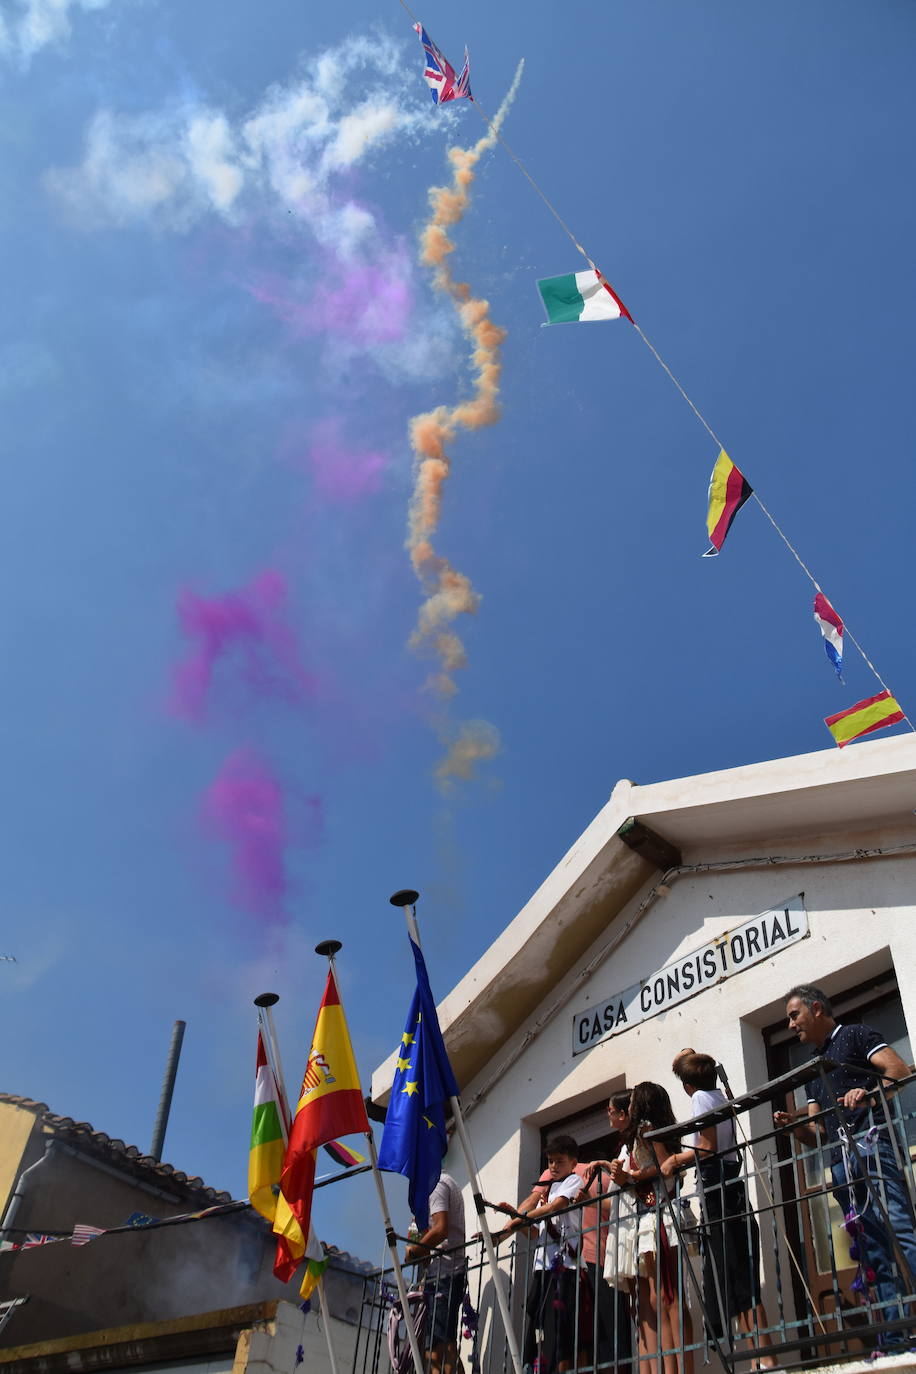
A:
[646,1253]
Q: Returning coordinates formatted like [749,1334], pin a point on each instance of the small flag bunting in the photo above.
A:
[728,491]
[83,1234]
[342,1154]
[831,627]
[581,298]
[874,713]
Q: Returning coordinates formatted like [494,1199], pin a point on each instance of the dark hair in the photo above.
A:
[650,1102]
[562,1145]
[621,1101]
[809,994]
[696,1071]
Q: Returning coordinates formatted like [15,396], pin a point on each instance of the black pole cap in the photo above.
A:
[405,896]
[267,999]
[328,948]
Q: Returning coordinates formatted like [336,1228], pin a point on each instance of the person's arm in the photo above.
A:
[805,1134]
[562,1200]
[524,1209]
[891,1066]
[685,1159]
[434,1235]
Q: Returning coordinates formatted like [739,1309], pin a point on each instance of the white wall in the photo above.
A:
[861,918]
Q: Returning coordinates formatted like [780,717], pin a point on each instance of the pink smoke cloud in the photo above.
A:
[250,623]
[366,304]
[245,807]
[340,472]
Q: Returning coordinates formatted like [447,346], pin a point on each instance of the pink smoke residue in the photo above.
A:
[251,623]
[245,807]
[366,304]
[339,471]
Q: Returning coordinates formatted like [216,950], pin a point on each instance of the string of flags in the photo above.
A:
[587,297]
[83,1234]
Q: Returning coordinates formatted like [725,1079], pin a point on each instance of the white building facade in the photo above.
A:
[679,918]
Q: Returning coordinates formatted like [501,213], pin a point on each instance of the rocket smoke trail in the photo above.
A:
[449,592]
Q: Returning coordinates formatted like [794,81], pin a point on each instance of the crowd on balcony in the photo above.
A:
[608,1238]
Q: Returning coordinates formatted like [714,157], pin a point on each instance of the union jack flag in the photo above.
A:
[440,75]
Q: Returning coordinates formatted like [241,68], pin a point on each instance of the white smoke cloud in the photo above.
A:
[292,155]
[172,166]
[34,24]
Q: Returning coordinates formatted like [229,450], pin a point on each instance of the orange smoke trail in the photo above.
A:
[448,592]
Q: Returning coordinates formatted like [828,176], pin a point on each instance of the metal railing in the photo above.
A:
[776,1251]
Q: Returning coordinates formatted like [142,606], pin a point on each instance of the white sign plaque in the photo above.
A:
[729,953]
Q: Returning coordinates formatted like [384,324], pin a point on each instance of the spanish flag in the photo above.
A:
[874,713]
[728,491]
[330,1104]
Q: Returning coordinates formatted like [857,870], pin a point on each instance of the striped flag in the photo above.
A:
[831,627]
[342,1154]
[265,1160]
[581,298]
[330,1104]
[316,1261]
[874,713]
[83,1234]
[728,491]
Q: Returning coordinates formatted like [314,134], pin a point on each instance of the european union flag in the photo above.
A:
[414,1138]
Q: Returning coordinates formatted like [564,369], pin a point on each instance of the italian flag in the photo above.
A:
[580,298]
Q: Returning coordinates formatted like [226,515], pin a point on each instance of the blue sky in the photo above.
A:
[200,208]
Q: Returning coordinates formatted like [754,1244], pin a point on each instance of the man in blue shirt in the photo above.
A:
[859,1051]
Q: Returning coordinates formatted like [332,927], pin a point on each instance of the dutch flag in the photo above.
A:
[831,627]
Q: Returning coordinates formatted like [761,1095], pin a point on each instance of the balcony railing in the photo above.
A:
[773,1226]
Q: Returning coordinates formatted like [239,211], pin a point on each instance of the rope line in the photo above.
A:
[494,129]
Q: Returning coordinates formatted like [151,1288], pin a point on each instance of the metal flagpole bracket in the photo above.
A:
[405,896]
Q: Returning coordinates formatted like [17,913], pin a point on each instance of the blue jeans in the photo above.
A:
[890,1284]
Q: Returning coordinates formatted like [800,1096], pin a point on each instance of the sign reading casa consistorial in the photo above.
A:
[730,952]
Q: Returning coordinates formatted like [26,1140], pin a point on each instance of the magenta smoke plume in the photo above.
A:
[250,624]
[246,808]
[339,471]
[364,304]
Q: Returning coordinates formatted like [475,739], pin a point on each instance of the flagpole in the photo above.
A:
[407,900]
[264,1001]
[329,948]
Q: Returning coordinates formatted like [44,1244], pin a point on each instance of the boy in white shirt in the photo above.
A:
[731,1240]
[553,1293]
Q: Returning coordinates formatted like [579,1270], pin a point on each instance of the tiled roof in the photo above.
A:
[342,1259]
[81,1136]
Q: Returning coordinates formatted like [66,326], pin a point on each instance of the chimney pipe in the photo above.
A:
[168,1087]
